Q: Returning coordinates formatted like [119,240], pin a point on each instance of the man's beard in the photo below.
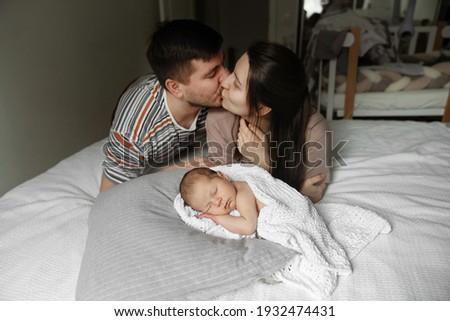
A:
[197,101]
[209,105]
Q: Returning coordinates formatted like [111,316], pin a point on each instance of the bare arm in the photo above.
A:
[105,183]
[190,163]
[247,208]
[234,224]
[314,187]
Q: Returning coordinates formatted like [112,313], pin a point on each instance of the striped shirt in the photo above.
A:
[144,134]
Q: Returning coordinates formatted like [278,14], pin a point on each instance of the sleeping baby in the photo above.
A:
[282,215]
[214,195]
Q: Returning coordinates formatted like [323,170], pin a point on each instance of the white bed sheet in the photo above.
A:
[43,229]
[401,170]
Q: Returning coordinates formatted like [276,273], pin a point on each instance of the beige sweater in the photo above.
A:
[222,127]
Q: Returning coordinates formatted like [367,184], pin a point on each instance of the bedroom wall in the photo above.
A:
[237,29]
[63,65]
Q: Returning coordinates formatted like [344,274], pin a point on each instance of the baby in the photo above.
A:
[215,196]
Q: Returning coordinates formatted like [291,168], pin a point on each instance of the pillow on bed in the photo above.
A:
[138,248]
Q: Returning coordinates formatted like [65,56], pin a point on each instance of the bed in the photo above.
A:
[59,240]
[395,80]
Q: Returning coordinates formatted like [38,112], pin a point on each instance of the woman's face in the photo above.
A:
[235,89]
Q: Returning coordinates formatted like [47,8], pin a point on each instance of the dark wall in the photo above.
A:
[240,23]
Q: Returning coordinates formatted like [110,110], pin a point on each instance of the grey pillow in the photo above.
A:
[138,248]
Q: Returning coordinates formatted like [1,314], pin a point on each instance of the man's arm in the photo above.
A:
[123,160]
[105,183]
[194,162]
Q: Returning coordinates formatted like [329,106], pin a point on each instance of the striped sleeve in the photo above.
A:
[124,155]
[123,159]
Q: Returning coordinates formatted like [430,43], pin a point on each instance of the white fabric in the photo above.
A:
[43,229]
[398,169]
[291,220]
[421,99]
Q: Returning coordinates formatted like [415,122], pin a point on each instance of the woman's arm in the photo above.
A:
[314,187]
[251,144]
[221,134]
[317,164]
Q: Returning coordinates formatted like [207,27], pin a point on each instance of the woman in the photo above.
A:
[273,124]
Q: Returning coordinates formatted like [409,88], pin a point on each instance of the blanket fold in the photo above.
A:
[325,236]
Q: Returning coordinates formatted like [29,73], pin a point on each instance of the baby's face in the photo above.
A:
[215,196]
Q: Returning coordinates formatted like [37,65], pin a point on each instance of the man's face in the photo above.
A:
[204,87]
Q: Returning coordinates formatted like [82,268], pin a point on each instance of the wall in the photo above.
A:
[240,23]
[63,65]
[283,21]
[177,9]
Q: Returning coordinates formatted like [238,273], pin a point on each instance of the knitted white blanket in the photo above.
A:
[325,243]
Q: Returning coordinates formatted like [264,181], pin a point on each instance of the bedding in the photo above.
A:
[324,237]
[139,249]
[398,170]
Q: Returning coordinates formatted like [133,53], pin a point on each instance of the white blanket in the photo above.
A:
[325,236]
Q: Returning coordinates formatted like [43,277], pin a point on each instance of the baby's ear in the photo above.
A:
[222,175]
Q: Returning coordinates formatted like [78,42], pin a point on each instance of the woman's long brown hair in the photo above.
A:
[277,80]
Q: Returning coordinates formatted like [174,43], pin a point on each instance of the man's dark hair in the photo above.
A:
[176,43]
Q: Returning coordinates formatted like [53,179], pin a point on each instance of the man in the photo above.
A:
[160,115]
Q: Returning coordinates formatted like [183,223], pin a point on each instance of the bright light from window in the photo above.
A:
[312,6]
